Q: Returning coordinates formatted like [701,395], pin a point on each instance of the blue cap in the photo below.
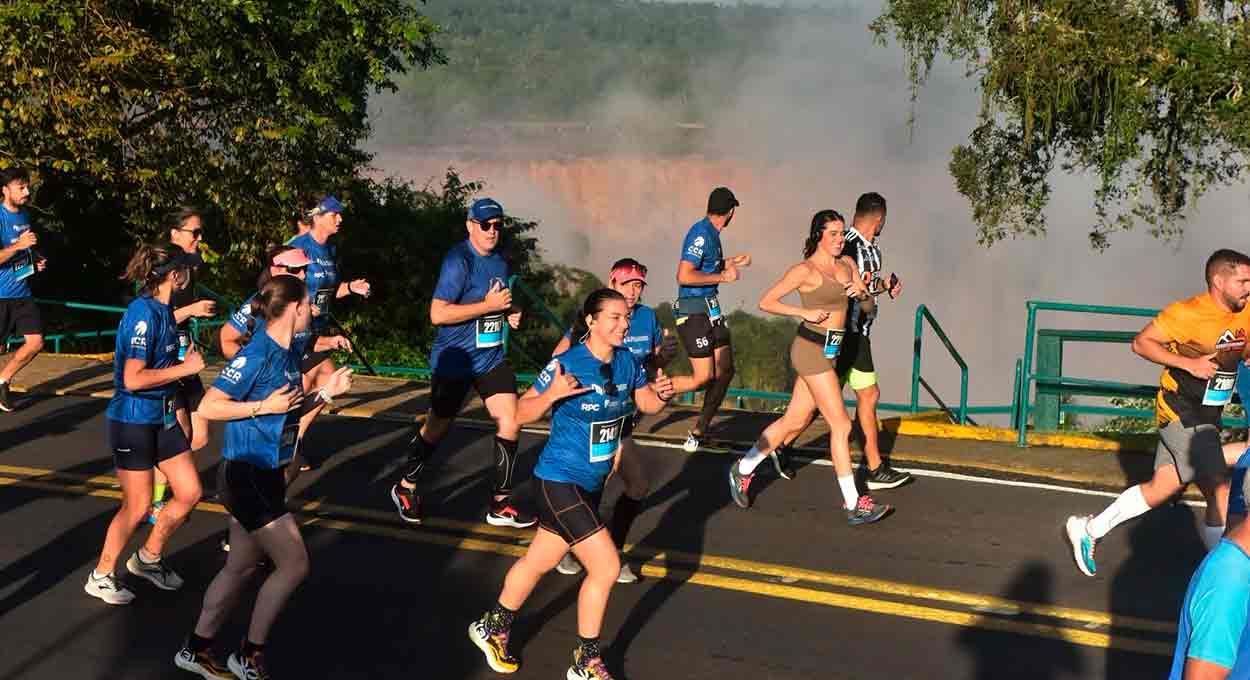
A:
[484,209]
[329,204]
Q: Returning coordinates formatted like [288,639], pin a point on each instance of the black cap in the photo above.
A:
[721,201]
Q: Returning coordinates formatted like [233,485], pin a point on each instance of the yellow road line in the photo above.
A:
[785,591]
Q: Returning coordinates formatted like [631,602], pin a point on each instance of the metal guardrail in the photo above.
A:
[922,315]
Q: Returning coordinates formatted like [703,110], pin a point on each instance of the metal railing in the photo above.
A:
[923,315]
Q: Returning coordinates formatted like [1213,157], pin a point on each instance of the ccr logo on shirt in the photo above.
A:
[234,372]
[544,377]
[139,339]
[696,248]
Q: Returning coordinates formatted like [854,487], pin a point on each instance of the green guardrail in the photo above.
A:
[923,315]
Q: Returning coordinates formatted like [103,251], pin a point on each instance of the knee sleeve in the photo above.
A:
[505,464]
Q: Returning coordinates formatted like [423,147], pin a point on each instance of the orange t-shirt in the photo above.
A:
[1197,327]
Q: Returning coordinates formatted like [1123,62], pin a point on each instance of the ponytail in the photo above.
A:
[276,295]
[150,264]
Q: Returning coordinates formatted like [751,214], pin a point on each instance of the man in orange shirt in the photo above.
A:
[1198,342]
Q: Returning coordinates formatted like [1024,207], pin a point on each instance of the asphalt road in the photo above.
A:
[967,579]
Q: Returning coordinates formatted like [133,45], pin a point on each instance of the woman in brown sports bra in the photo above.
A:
[825,280]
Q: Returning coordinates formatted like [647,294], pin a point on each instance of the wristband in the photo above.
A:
[325,396]
[256,408]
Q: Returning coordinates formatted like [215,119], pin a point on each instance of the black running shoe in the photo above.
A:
[408,503]
[203,664]
[781,462]
[886,477]
[6,404]
[248,667]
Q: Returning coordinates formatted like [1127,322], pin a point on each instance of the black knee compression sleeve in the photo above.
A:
[419,452]
[713,396]
[505,465]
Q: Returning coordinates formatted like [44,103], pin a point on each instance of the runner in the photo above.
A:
[1211,640]
[855,365]
[256,395]
[827,281]
[1198,342]
[700,326]
[243,325]
[653,348]
[324,287]
[143,422]
[593,389]
[471,303]
[18,262]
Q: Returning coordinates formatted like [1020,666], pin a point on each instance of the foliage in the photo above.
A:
[1146,97]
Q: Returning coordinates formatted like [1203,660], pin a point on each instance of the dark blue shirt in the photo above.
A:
[243,321]
[257,371]
[472,347]
[586,429]
[12,226]
[321,277]
[149,333]
[702,249]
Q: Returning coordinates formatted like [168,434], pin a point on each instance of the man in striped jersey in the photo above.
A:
[855,366]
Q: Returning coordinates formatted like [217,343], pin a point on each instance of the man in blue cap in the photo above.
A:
[470,306]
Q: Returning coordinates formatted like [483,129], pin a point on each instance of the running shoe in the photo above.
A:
[494,647]
[248,667]
[156,572]
[866,511]
[1077,531]
[203,663]
[626,574]
[5,403]
[155,512]
[569,566]
[739,484]
[692,442]
[781,462]
[408,503]
[885,477]
[503,514]
[106,588]
[587,669]
[225,544]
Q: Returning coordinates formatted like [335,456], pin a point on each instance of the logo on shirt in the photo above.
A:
[142,328]
[696,248]
[139,339]
[233,372]
[587,406]
[544,378]
[1230,339]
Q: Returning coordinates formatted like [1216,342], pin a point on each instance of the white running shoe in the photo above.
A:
[160,575]
[569,566]
[691,444]
[1077,531]
[627,575]
[106,588]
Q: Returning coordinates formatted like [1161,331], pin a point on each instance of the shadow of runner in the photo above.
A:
[998,654]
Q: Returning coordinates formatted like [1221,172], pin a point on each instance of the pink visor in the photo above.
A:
[627,273]
[291,258]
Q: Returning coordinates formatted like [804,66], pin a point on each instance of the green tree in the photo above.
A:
[126,110]
[1144,97]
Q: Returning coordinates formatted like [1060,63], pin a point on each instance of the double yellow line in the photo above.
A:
[878,596]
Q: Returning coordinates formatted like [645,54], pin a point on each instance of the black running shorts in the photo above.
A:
[447,394]
[188,393]
[567,510]
[19,316]
[700,336]
[140,447]
[255,496]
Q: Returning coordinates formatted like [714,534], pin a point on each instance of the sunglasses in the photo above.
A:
[496,225]
[609,385]
[294,270]
[195,233]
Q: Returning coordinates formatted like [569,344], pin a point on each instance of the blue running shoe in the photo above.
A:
[1077,531]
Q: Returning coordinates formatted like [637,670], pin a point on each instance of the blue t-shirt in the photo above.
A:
[149,333]
[322,277]
[257,371]
[473,347]
[243,321]
[1243,388]
[702,249]
[644,336]
[586,429]
[12,226]
[1213,618]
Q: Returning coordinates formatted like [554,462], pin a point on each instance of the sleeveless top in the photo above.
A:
[829,297]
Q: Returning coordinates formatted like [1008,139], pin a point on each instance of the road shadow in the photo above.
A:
[997,654]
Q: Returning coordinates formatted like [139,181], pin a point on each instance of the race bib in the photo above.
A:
[184,342]
[833,342]
[322,299]
[713,309]
[289,438]
[490,331]
[23,264]
[1220,388]
[170,418]
[605,439]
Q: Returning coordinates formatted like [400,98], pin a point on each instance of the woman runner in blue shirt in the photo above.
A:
[259,394]
[143,424]
[593,389]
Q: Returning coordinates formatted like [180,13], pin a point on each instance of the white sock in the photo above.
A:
[1211,535]
[3,381]
[1128,505]
[748,463]
[849,492]
[96,576]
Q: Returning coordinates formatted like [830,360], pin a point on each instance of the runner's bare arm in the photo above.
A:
[1197,669]
[688,275]
[771,300]
[444,313]
[563,346]
[231,340]
[1151,344]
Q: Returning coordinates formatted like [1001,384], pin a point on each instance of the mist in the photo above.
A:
[817,116]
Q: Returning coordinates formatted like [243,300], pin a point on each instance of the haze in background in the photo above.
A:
[819,116]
